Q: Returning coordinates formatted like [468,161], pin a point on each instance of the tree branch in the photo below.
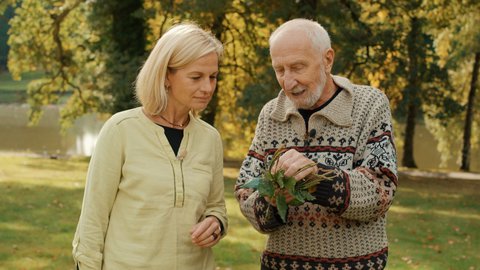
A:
[62,58]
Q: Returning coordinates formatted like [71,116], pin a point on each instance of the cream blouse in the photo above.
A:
[141,200]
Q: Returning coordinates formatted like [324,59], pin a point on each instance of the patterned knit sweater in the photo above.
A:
[345,226]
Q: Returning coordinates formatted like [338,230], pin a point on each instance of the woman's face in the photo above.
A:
[192,87]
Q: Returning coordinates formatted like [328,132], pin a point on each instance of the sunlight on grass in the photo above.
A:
[17,226]
[30,263]
[42,171]
[241,247]
[456,214]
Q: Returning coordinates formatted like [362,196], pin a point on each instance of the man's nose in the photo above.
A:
[289,82]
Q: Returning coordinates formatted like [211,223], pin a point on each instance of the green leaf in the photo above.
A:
[268,176]
[279,178]
[298,194]
[306,195]
[282,207]
[290,183]
[295,202]
[253,183]
[266,188]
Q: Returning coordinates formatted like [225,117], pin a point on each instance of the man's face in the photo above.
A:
[299,68]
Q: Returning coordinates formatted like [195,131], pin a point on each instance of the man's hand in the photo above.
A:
[291,162]
[288,197]
[206,233]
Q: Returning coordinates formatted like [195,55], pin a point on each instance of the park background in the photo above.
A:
[65,66]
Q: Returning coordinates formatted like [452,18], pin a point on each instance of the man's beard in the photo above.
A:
[312,98]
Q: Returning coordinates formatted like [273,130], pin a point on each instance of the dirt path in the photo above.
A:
[417,174]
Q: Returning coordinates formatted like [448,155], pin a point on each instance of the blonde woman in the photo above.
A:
[154,197]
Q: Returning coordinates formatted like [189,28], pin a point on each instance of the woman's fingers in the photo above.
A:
[206,233]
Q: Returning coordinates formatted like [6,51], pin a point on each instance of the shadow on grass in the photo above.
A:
[37,223]
[433,224]
[236,255]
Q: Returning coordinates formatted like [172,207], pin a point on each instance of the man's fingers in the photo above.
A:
[283,161]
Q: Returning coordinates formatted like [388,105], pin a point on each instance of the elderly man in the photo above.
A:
[346,130]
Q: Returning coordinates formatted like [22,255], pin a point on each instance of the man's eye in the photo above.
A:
[296,68]
[195,78]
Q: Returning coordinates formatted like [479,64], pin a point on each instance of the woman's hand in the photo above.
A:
[206,233]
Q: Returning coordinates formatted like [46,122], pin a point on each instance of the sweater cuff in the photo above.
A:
[267,215]
[332,194]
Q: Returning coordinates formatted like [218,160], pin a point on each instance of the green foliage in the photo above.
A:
[4,4]
[417,52]
[457,39]
[123,53]
[86,59]
[54,37]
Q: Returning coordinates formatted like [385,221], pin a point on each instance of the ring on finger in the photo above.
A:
[215,236]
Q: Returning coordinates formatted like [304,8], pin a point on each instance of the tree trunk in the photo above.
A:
[408,159]
[211,111]
[128,32]
[411,93]
[467,132]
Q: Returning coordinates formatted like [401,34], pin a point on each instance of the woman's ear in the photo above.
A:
[167,82]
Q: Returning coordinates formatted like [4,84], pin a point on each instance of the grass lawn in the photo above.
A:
[433,224]
[12,91]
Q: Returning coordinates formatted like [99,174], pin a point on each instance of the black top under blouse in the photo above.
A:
[174,137]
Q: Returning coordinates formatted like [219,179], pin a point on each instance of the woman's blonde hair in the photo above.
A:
[181,45]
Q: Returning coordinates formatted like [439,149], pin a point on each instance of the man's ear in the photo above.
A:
[328,60]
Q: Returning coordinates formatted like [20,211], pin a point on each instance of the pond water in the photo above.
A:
[46,139]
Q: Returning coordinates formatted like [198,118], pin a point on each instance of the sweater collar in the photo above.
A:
[339,111]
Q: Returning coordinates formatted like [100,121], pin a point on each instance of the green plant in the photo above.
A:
[276,184]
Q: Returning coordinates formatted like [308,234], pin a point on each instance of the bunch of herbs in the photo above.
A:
[276,184]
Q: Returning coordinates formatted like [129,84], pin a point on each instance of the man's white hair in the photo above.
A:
[315,32]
